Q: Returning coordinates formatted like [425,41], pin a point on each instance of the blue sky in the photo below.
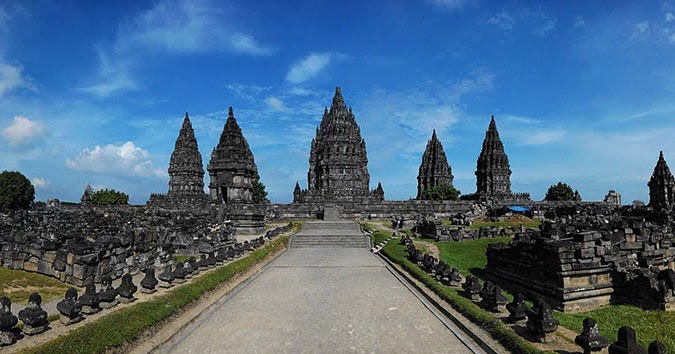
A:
[93,92]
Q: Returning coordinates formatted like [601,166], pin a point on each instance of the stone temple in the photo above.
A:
[233,171]
[338,162]
[493,172]
[661,185]
[434,169]
[186,172]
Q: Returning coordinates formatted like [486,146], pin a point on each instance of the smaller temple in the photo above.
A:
[434,169]
[186,173]
[661,185]
[233,173]
[493,172]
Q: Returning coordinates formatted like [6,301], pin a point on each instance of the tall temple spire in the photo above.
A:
[661,185]
[493,173]
[186,172]
[232,167]
[434,169]
[338,162]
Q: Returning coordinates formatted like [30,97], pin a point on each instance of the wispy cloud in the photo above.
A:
[249,92]
[670,17]
[310,66]
[477,80]
[543,137]
[579,22]
[450,4]
[13,78]
[173,27]
[640,29]
[40,182]
[538,21]
[275,104]
[121,160]
[23,131]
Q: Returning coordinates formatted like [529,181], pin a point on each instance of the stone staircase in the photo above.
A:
[330,234]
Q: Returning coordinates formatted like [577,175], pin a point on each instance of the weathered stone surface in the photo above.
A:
[434,169]
[661,185]
[7,322]
[149,282]
[540,321]
[493,172]
[70,308]
[626,343]
[590,339]
[338,162]
[33,316]
[127,289]
[107,294]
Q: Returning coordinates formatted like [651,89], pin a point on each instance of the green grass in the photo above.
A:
[479,224]
[380,236]
[501,332]
[180,258]
[446,223]
[17,285]
[127,324]
[368,227]
[648,325]
[468,255]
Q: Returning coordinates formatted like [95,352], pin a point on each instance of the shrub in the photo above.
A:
[109,197]
[441,192]
[259,192]
[561,192]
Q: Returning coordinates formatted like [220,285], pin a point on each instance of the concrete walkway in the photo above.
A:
[320,300]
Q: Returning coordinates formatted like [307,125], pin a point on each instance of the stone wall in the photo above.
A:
[77,244]
[585,256]
[376,210]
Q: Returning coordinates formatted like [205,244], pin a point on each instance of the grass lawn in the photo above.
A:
[648,325]
[467,255]
[17,285]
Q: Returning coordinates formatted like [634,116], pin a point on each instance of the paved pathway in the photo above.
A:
[320,300]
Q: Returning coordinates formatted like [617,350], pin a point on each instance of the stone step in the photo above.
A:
[331,225]
[301,240]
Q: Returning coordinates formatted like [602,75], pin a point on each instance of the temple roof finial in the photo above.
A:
[230,113]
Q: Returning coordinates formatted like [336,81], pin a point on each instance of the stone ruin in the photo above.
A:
[585,256]
[78,244]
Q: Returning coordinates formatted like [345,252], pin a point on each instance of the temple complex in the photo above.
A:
[493,172]
[661,185]
[434,169]
[338,162]
[233,172]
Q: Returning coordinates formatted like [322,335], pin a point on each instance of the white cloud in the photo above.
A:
[249,92]
[275,104]
[308,67]
[545,22]
[22,131]
[521,120]
[247,44]
[579,22]
[121,160]
[113,77]
[11,78]
[502,20]
[640,29]
[450,4]
[40,182]
[670,17]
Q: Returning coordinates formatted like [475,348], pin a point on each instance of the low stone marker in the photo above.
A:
[626,343]
[34,318]
[127,289]
[590,339]
[149,282]
[70,308]
[7,322]
[107,294]
[90,300]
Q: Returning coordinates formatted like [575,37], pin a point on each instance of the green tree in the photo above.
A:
[109,197]
[16,191]
[561,192]
[259,192]
[441,192]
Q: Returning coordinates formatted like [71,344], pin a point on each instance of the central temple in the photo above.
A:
[338,162]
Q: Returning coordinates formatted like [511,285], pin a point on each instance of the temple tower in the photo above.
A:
[661,185]
[434,169]
[338,163]
[186,172]
[493,173]
[233,171]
